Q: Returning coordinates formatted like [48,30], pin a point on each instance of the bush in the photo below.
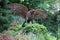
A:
[5,19]
[35,28]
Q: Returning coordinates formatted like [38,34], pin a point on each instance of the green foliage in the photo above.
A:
[39,32]
[35,28]
[58,32]
[41,36]
[15,30]
[5,19]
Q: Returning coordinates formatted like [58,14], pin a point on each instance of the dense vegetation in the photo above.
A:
[48,29]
